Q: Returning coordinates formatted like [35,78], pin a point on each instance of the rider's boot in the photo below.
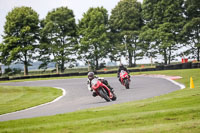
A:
[111,89]
[94,94]
[120,80]
[129,77]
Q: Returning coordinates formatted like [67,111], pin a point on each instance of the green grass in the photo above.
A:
[178,111]
[55,78]
[14,98]
[36,79]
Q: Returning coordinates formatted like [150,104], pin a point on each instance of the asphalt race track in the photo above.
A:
[78,97]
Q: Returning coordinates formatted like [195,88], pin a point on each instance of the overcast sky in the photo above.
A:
[42,7]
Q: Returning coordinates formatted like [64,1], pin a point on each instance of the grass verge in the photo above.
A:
[178,111]
[14,98]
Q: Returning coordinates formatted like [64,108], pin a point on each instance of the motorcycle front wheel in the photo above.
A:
[114,97]
[126,83]
[104,94]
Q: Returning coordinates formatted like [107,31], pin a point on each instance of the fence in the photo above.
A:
[188,65]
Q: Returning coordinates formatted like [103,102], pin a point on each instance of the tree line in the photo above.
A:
[133,30]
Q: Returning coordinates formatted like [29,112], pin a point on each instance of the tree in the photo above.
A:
[21,34]
[126,23]
[58,37]
[191,30]
[93,33]
[165,19]
[149,47]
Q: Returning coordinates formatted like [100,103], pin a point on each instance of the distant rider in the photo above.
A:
[122,67]
[91,76]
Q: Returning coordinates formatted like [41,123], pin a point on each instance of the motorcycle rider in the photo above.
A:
[122,67]
[91,76]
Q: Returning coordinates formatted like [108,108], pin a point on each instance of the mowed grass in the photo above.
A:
[176,112]
[14,98]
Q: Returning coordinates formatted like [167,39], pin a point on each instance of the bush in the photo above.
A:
[10,71]
[102,65]
[16,71]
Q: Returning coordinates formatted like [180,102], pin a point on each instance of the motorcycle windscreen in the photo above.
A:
[122,73]
[95,83]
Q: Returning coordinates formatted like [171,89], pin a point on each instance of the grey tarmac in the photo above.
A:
[78,97]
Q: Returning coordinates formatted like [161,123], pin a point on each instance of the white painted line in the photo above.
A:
[58,98]
[167,78]
[176,83]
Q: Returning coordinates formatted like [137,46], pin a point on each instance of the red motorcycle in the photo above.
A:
[125,79]
[102,90]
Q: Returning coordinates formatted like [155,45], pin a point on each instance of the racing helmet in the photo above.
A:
[121,66]
[91,75]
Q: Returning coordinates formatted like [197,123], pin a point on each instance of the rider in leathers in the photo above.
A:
[91,76]
[122,67]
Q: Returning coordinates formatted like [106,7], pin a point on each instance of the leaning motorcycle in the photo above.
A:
[125,79]
[102,90]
